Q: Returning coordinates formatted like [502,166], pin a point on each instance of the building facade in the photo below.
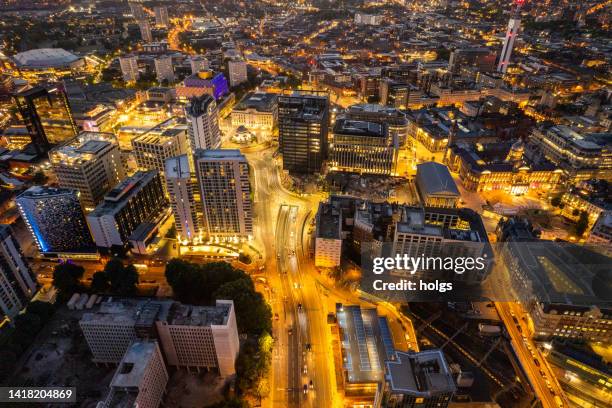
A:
[164,69]
[185,199]
[223,177]
[328,236]
[43,209]
[203,123]
[138,199]
[17,282]
[303,122]
[129,68]
[237,72]
[256,111]
[91,164]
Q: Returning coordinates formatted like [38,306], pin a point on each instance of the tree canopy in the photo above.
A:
[66,278]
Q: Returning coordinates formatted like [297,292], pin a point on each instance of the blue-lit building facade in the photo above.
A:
[55,219]
[217,82]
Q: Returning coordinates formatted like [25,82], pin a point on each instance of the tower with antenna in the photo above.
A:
[513,29]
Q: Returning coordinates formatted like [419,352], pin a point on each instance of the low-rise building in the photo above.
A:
[436,186]
[257,110]
[420,379]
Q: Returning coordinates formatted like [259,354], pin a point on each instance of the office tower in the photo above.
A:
[328,236]
[136,200]
[90,163]
[145,30]
[164,69]
[513,29]
[17,282]
[363,147]
[161,16]
[303,122]
[129,68]
[223,176]
[203,123]
[55,219]
[394,118]
[47,116]
[154,147]
[200,337]
[141,378]
[198,63]
[237,72]
[422,379]
[184,199]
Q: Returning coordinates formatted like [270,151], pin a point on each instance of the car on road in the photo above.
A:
[311,385]
[305,388]
[276,316]
[308,347]
[305,369]
[300,307]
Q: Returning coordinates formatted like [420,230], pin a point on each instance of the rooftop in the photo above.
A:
[45,58]
[434,178]
[359,128]
[118,196]
[133,365]
[260,101]
[422,374]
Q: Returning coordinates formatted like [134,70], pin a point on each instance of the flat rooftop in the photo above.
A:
[132,368]
[259,101]
[422,374]
[188,315]
[366,343]
[359,128]
[328,222]
[118,196]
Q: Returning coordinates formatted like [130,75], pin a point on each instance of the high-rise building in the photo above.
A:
[237,72]
[198,63]
[303,122]
[363,147]
[164,69]
[154,147]
[129,68]
[200,337]
[145,30]
[203,123]
[184,199]
[223,176]
[511,33]
[328,236]
[136,200]
[161,16]
[480,58]
[47,116]
[141,378]
[90,163]
[55,219]
[17,283]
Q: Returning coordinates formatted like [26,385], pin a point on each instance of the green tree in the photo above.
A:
[8,361]
[66,278]
[253,314]
[555,201]
[42,309]
[28,323]
[582,224]
[100,282]
[123,279]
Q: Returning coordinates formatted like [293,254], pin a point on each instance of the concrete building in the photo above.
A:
[328,236]
[91,164]
[145,30]
[237,72]
[257,110]
[164,70]
[420,379]
[140,380]
[191,337]
[479,58]
[203,123]
[436,186]
[17,282]
[580,156]
[129,68]
[152,148]
[161,16]
[185,199]
[44,209]
[394,118]
[368,19]
[561,286]
[363,147]
[303,122]
[601,233]
[136,200]
[512,32]
[362,344]
[223,177]
[201,337]
[198,63]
